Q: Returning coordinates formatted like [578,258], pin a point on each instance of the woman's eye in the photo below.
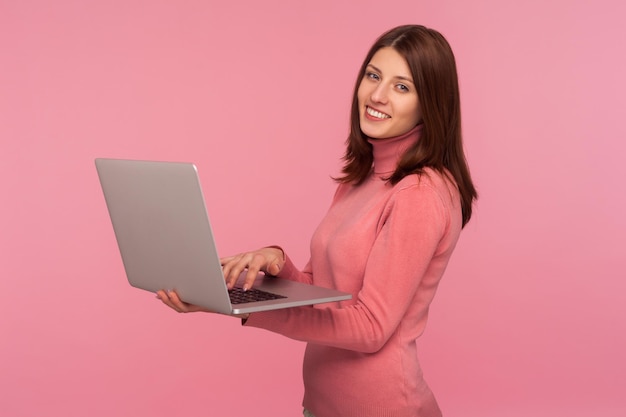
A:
[402,87]
[372,76]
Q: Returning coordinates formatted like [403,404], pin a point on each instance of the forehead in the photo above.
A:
[391,62]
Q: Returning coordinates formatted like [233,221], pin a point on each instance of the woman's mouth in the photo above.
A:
[376,114]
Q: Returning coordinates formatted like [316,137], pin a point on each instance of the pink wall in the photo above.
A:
[530,317]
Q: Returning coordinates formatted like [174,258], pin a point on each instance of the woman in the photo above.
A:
[403,197]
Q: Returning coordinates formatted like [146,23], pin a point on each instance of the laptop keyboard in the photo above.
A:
[239,296]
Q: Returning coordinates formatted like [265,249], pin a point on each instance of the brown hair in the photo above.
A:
[433,68]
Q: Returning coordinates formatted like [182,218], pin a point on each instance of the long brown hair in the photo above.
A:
[433,68]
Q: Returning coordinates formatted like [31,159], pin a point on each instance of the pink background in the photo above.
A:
[530,317]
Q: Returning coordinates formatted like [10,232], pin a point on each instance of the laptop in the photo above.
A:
[165,240]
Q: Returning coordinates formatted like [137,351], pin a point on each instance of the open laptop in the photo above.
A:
[165,239]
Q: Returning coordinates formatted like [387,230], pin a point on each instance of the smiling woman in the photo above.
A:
[420,57]
[404,197]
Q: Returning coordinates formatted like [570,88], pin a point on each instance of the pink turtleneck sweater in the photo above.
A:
[388,246]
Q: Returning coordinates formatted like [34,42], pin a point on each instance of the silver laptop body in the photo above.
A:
[164,236]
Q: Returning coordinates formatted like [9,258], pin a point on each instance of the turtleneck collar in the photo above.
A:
[388,151]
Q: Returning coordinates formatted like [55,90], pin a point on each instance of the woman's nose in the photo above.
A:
[379,95]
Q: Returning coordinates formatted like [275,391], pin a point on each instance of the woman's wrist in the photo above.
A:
[283,256]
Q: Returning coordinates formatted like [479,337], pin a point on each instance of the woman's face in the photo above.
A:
[388,102]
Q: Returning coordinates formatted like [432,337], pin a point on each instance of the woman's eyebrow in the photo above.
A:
[399,77]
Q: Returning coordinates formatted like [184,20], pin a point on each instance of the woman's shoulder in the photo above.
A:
[429,177]
[430,181]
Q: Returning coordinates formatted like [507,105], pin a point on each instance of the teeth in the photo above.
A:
[377,114]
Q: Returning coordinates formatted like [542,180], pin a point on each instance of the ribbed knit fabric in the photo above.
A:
[388,246]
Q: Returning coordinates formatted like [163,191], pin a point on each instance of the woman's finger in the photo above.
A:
[164,296]
[181,306]
[232,268]
[269,260]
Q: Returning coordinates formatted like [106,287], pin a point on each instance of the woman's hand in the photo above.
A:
[269,260]
[173,301]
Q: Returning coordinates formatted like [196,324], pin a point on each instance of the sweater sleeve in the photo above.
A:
[414,223]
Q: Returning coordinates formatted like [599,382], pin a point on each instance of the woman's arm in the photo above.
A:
[409,255]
